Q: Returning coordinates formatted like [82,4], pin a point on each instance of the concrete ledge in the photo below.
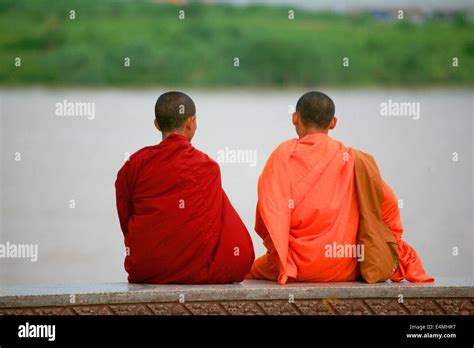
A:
[249,297]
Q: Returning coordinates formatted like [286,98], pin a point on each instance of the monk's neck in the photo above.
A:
[305,132]
[166,135]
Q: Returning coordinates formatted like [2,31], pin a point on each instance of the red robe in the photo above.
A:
[179,226]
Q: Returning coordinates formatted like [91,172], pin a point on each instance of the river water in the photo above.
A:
[58,171]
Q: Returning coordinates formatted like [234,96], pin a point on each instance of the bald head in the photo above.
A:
[316,109]
[172,109]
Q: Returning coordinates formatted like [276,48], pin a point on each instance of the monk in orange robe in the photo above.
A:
[307,205]
[178,224]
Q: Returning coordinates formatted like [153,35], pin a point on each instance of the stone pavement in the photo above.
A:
[251,297]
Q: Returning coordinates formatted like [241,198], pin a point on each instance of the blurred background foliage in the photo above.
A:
[200,50]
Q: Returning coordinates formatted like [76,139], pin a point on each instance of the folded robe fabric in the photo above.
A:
[307,201]
[178,224]
[380,258]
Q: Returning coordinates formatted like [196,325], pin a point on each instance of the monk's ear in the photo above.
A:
[190,123]
[333,123]
[294,118]
[157,125]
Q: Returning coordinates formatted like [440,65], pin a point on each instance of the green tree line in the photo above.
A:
[224,46]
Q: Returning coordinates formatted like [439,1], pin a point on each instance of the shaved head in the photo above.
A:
[315,109]
[172,110]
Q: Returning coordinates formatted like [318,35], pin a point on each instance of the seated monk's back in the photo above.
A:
[325,218]
[178,223]
[307,204]
[308,216]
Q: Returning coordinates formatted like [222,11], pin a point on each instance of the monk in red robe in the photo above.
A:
[307,210]
[178,224]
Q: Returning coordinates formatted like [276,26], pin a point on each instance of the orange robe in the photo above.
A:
[306,201]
